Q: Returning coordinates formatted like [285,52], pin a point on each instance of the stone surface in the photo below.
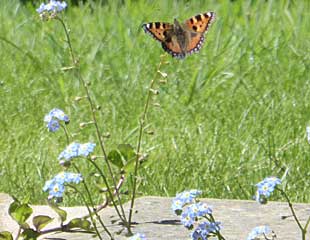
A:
[155,219]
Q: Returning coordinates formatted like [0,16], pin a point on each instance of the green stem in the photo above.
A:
[66,132]
[18,233]
[89,211]
[93,110]
[142,124]
[303,230]
[93,204]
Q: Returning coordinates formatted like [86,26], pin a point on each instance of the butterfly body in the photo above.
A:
[181,39]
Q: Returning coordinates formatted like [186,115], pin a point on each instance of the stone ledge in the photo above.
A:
[155,219]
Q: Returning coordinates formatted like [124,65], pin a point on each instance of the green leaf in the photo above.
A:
[80,223]
[61,213]
[41,221]
[129,166]
[115,158]
[127,152]
[20,212]
[122,155]
[30,234]
[5,235]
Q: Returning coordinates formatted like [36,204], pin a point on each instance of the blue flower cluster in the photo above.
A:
[76,150]
[205,229]
[191,211]
[258,231]
[265,188]
[184,198]
[52,6]
[53,117]
[56,186]
[138,236]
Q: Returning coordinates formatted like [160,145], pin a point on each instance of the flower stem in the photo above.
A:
[89,211]
[141,127]
[93,204]
[93,110]
[303,230]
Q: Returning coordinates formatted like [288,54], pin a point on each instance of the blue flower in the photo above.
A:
[177,205]
[68,177]
[76,150]
[184,198]
[52,6]
[71,151]
[188,217]
[86,148]
[203,209]
[53,117]
[138,236]
[204,230]
[265,188]
[258,231]
[198,234]
[53,125]
[56,186]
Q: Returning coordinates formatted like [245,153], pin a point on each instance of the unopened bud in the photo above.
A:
[156,104]
[154,91]
[164,75]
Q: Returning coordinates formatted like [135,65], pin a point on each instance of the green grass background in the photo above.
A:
[230,115]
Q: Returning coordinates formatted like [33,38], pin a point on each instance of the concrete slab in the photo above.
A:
[155,219]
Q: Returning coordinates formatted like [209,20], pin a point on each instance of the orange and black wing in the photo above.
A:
[197,26]
[164,33]
[157,30]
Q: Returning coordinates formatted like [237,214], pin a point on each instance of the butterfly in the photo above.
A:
[179,39]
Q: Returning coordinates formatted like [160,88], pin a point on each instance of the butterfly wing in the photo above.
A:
[197,26]
[164,33]
[157,30]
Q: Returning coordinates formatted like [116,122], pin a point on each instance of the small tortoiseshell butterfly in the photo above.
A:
[181,39]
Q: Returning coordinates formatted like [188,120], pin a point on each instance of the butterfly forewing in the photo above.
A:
[200,23]
[158,30]
[197,26]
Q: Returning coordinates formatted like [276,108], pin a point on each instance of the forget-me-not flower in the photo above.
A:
[53,117]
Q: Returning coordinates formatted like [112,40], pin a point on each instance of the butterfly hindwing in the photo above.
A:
[173,48]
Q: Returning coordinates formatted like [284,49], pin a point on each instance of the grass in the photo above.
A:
[230,115]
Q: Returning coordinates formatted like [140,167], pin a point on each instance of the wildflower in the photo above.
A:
[53,117]
[53,125]
[203,209]
[258,231]
[68,177]
[71,151]
[177,205]
[203,231]
[56,186]
[76,150]
[184,198]
[138,236]
[265,188]
[188,218]
[52,6]
[86,148]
